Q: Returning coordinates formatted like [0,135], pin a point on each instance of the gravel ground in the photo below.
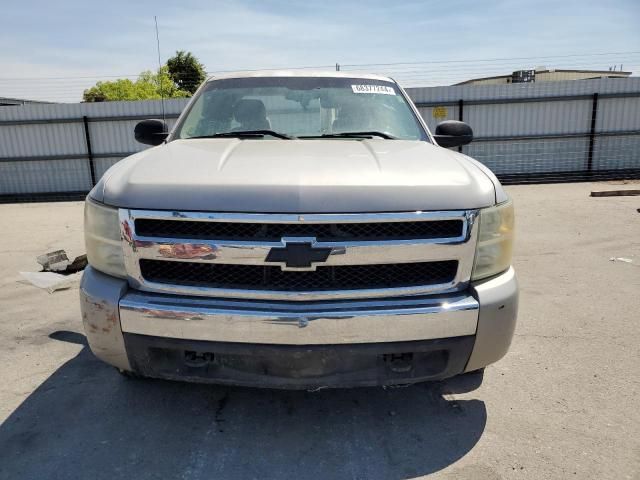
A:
[562,404]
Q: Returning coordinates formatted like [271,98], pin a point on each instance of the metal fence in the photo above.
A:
[556,131]
[545,132]
[60,151]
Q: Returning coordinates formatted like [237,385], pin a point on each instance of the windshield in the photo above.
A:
[311,107]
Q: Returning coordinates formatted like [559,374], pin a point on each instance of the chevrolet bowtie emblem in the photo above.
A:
[298,255]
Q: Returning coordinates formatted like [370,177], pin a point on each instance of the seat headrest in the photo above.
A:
[248,110]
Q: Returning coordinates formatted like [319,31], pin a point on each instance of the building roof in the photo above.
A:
[18,101]
[597,73]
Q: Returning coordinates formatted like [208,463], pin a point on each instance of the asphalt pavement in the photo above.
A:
[564,403]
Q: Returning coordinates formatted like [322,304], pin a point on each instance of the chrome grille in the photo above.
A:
[256,277]
[226,255]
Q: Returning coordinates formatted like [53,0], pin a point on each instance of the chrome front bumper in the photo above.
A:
[323,323]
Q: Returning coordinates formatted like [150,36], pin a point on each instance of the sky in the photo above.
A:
[54,50]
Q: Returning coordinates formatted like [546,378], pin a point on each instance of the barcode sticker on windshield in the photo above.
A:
[383,89]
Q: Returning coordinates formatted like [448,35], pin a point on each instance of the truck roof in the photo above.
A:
[299,73]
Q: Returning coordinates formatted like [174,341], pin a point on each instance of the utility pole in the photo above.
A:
[164,120]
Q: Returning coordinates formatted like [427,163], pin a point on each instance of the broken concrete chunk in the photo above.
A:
[59,262]
[58,272]
[54,261]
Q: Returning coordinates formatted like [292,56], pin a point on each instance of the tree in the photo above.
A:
[149,86]
[186,71]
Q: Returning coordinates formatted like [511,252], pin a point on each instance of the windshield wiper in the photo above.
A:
[247,133]
[368,133]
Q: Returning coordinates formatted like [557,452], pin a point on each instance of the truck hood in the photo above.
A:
[296,176]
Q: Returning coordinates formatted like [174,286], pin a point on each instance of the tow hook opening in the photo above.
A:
[198,359]
[399,362]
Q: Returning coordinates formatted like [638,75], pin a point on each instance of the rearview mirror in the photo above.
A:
[452,133]
[151,132]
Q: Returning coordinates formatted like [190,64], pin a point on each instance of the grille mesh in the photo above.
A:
[256,277]
[275,231]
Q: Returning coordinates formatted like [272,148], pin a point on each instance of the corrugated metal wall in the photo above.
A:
[43,148]
[545,128]
[523,132]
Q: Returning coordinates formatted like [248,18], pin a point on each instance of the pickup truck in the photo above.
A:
[299,230]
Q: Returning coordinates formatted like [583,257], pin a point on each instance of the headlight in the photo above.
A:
[102,239]
[495,241]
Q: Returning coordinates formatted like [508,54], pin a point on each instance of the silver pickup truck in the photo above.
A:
[298,230]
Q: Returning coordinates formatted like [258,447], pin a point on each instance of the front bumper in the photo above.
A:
[299,344]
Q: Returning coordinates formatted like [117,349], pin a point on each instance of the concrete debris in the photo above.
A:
[59,262]
[54,261]
[58,272]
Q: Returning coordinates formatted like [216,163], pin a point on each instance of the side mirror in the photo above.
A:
[151,132]
[452,133]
